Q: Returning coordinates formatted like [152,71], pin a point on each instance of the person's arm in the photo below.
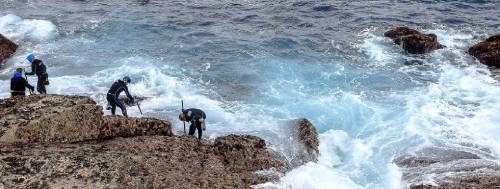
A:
[128,95]
[28,85]
[33,70]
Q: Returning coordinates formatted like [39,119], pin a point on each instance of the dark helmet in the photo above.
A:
[127,79]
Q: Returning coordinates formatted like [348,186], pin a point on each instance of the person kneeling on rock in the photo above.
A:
[196,117]
[18,84]
[114,94]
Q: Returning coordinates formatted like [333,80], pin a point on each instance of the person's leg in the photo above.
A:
[198,127]
[41,83]
[191,129]
[122,107]
[111,103]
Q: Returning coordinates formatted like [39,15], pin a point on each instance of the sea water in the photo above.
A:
[254,65]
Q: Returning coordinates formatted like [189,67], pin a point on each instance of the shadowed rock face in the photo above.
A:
[488,51]
[56,141]
[413,41]
[440,168]
[7,49]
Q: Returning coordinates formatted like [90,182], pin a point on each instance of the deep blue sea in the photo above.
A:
[253,65]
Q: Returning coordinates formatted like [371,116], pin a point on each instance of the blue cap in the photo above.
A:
[17,74]
[30,57]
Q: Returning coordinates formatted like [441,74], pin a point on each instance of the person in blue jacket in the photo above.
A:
[18,84]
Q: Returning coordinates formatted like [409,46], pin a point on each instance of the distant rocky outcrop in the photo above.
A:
[488,51]
[7,49]
[443,168]
[413,41]
[56,141]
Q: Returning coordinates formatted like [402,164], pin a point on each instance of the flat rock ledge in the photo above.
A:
[57,141]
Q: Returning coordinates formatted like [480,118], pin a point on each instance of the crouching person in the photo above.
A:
[18,84]
[196,117]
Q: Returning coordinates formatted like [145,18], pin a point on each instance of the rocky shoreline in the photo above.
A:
[55,141]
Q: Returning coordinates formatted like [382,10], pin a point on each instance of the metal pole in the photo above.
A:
[184,121]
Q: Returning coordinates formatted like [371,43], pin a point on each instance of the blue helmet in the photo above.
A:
[127,79]
[30,57]
[17,74]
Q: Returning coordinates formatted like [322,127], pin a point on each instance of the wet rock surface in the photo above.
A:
[413,41]
[7,49]
[306,142]
[56,141]
[440,168]
[488,51]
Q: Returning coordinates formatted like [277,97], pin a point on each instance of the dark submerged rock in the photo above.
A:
[413,41]
[488,51]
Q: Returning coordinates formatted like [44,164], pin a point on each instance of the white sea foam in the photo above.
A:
[18,29]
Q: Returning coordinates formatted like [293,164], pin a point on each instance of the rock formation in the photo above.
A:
[55,141]
[57,118]
[413,41]
[305,142]
[488,51]
[7,49]
[442,168]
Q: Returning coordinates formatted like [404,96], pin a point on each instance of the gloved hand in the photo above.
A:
[132,101]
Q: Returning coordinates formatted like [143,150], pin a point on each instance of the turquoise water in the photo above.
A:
[252,66]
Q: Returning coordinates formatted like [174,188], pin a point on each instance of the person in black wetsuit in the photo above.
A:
[40,70]
[196,117]
[114,94]
[18,84]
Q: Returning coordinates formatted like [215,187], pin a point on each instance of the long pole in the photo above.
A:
[138,106]
[184,121]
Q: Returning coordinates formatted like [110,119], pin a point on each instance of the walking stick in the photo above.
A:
[138,106]
[184,121]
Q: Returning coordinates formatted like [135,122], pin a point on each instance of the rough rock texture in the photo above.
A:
[440,168]
[59,147]
[141,162]
[306,142]
[413,41]
[58,118]
[488,51]
[7,48]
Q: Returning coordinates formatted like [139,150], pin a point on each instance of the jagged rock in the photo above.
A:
[413,41]
[247,154]
[59,118]
[305,142]
[7,48]
[439,168]
[488,51]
